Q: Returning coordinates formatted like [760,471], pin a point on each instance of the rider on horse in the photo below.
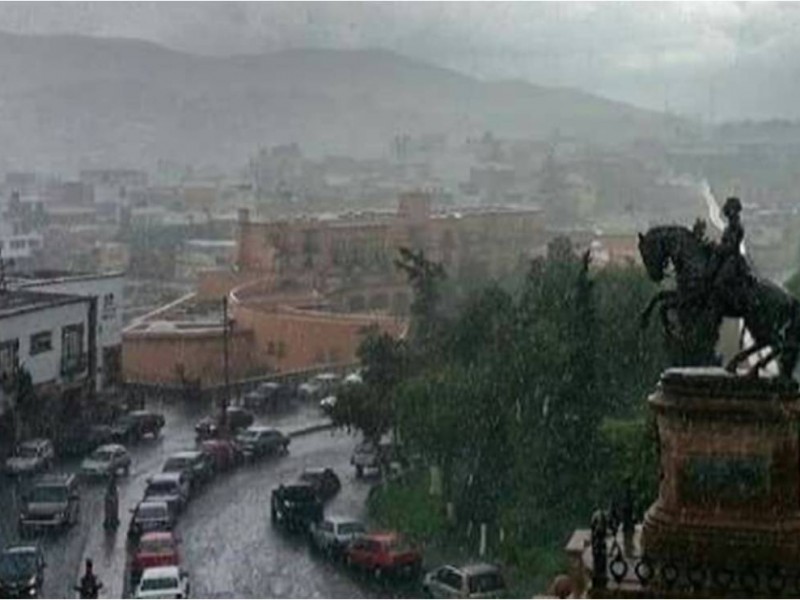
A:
[728,267]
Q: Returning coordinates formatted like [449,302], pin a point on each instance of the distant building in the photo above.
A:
[324,252]
[198,255]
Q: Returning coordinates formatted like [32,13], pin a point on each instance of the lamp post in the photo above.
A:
[226,324]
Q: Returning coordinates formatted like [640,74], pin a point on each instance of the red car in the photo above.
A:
[155,549]
[224,453]
[384,553]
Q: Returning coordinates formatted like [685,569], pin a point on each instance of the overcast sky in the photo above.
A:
[687,57]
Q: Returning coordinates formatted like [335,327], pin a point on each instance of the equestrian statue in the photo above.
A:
[712,281]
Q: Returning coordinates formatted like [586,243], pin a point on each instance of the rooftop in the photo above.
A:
[15,302]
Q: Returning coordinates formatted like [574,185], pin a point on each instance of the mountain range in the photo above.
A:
[70,102]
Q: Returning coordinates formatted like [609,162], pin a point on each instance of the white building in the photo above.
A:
[107,290]
[50,335]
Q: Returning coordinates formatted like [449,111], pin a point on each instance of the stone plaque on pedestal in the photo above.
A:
[729,494]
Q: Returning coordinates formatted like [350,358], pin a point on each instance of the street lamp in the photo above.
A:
[227,324]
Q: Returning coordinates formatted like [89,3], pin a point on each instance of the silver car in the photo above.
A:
[480,580]
[332,534]
[31,456]
[108,459]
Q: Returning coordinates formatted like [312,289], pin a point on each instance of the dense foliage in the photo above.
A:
[528,399]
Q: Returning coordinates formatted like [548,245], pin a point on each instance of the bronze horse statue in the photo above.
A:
[770,313]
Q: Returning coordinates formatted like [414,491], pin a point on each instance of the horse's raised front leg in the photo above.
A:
[662,296]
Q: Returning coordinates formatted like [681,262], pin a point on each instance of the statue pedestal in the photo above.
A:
[729,497]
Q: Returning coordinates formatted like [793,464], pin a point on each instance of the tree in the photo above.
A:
[425,277]
[368,407]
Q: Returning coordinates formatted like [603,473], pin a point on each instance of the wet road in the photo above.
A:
[228,544]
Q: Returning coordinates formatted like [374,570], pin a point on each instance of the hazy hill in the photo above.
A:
[68,102]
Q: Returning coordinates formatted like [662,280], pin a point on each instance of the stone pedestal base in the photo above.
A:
[729,496]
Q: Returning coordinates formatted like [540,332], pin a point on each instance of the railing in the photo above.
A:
[622,574]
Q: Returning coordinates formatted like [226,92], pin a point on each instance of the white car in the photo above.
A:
[332,534]
[163,582]
[471,581]
[31,456]
[108,459]
[353,378]
[327,404]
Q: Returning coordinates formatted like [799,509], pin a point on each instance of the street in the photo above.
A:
[228,545]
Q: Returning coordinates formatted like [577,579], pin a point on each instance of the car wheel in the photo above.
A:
[273,515]
[359,471]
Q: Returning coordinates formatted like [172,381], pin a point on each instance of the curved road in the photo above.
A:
[228,544]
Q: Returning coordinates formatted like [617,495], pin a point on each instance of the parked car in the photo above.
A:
[238,418]
[353,378]
[324,481]
[322,384]
[384,554]
[310,390]
[108,459]
[370,456]
[327,404]
[333,534]
[137,424]
[195,464]
[327,381]
[172,488]
[295,507]
[21,572]
[80,439]
[269,394]
[365,456]
[257,441]
[31,456]
[155,549]
[479,580]
[224,453]
[163,582]
[53,502]
[150,515]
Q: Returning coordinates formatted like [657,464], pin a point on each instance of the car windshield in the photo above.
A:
[486,582]
[299,493]
[27,452]
[48,493]
[310,476]
[124,421]
[102,455]
[17,564]
[349,528]
[152,512]
[159,583]
[177,463]
[159,488]
[157,546]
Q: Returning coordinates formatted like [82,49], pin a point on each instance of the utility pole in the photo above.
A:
[223,417]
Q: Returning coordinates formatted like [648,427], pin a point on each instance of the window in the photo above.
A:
[8,357]
[41,342]
[72,348]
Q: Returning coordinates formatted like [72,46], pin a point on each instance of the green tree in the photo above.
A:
[368,407]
